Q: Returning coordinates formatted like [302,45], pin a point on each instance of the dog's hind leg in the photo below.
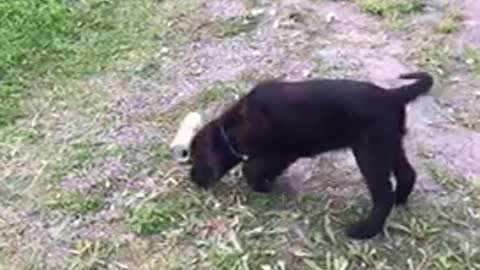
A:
[405,175]
[375,160]
[261,172]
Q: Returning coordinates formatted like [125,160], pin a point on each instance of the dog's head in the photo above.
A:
[210,158]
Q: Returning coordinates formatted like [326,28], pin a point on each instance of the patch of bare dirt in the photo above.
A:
[110,170]
[269,49]
[37,237]
[461,96]
[225,8]
[471,31]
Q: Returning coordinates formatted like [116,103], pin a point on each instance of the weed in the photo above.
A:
[472,59]
[449,22]
[153,217]
[447,179]
[78,204]
[233,26]
[92,254]
[468,120]
[434,54]
[389,7]
[395,22]
[265,203]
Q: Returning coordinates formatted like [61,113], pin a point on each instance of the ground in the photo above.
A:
[92,93]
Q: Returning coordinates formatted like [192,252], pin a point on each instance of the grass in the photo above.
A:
[192,23]
[233,26]
[49,111]
[468,120]
[386,8]
[271,232]
[46,39]
[10,99]
[91,254]
[211,97]
[449,22]
[57,61]
[391,11]
[472,59]
[78,204]
[434,53]
[154,217]
[461,185]
[81,155]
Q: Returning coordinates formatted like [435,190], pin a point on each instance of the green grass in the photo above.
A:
[159,217]
[434,54]
[452,182]
[81,155]
[34,30]
[231,228]
[252,231]
[472,59]
[10,97]
[391,11]
[233,26]
[78,204]
[390,7]
[55,39]
[450,20]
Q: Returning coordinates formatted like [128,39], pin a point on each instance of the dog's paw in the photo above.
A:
[263,188]
[401,201]
[362,231]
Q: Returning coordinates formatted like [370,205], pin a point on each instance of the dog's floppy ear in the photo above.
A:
[201,174]
[203,168]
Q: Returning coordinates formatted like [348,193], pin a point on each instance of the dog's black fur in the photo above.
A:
[278,122]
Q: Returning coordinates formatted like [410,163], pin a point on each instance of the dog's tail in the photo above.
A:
[408,93]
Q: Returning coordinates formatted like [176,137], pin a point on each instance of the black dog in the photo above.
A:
[278,122]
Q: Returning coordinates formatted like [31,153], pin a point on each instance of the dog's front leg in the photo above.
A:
[261,172]
[255,175]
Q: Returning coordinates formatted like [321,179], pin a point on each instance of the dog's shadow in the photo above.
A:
[288,195]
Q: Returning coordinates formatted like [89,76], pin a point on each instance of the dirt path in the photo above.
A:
[472,22]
